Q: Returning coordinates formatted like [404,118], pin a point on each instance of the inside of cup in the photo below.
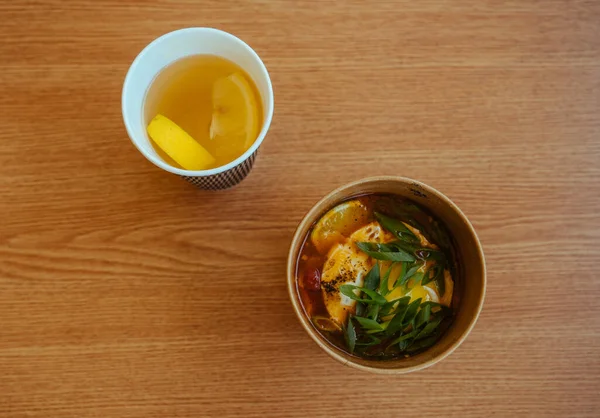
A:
[172,47]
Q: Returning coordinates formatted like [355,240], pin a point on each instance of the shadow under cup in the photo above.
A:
[164,51]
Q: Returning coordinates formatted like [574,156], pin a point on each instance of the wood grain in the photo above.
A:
[125,292]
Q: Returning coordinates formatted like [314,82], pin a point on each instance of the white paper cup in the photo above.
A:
[170,48]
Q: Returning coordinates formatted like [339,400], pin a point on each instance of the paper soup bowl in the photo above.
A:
[469,285]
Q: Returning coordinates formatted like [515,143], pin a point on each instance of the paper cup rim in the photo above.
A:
[199,173]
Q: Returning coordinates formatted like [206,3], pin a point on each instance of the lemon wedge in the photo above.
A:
[235,111]
[337,224]
[178,144]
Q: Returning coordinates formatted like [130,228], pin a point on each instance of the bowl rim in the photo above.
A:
[302,317]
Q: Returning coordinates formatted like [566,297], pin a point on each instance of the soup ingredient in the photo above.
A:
[350,336]
[325,324]
[338,224]
[235,110]
[399,229]
[386,285]
[312,279]
[405,312]
[347,265]
[178,144]
[416,281]
[385,252]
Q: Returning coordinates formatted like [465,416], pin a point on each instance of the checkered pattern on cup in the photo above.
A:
[164,51]
[225,179]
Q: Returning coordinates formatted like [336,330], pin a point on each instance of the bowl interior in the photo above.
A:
[469,285]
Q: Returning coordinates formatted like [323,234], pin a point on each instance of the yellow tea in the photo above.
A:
[202,112]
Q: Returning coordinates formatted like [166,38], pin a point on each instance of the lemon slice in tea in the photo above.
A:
[178,144]
[337,224]
[235,111]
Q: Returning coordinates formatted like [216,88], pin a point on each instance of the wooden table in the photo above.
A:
[125,292]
